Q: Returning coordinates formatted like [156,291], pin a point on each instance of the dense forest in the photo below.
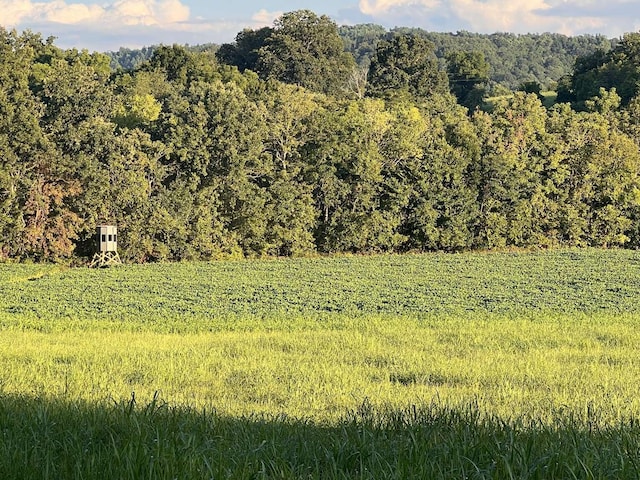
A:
[283,143]
[512,60]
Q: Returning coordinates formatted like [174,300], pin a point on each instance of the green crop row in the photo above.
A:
[223,295]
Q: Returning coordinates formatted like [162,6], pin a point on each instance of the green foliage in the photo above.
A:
[348,174]
[513,59]
[405,63]
[181,66]
[305,49]
[513,194]
[516,59]
[302,49]
[361,40]
[129,59]
[468,76]
[147,438]
[194,159]
[442,209]
[37,181]
[601,177]
[245,52]
[244,295]
[614,69]
[138,109]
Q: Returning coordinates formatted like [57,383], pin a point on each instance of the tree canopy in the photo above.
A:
[406,63]
[302,48]
[617,68]
[197,159]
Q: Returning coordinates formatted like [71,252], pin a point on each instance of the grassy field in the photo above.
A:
[494,365]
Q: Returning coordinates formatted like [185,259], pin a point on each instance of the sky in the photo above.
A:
[103,25]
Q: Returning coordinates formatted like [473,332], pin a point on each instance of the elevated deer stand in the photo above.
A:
[107,254]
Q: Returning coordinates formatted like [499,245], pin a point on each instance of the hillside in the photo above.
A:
[513,59]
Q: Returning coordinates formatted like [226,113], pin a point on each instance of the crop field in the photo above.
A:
[480,365]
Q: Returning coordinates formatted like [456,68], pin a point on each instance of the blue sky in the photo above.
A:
[109,24]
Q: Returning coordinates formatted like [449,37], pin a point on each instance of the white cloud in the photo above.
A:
[147,12]
[571,17]
[121,12]
[132,12]
[110,24]
[172,11]
[263,18]
[59,12]
[498,15]
[380,7]
[13,11]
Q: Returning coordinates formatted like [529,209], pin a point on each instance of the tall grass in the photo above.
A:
[57,439]
[530,367]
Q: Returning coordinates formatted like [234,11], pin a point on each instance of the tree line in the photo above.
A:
[513,60]
[194,158]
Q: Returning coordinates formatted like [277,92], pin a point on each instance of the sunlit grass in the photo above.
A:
[512,368]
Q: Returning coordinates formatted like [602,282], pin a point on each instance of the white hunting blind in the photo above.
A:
[107,247]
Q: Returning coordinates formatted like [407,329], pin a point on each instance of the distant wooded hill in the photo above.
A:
[513,59]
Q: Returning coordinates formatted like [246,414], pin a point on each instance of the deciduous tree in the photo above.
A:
[305,49]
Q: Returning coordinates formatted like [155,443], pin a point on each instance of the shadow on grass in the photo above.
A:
[59,439]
